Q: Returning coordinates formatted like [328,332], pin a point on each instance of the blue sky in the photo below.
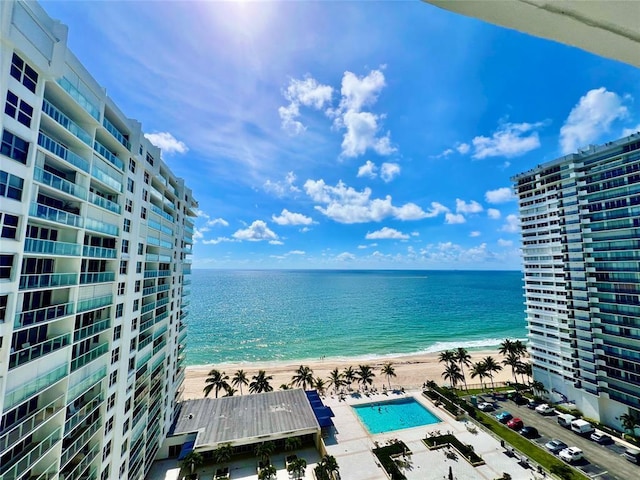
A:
[348,135]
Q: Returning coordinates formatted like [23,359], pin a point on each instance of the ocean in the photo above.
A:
[279,315]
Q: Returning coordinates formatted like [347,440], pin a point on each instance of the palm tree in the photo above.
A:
[349,376]
[260,383]
[292,443]
[447,356]
[215,381]
[223,453]
[520,348]
[506,347]
[192,461]
[285,386]
[453,374]
[512,360]
[264,450]
[335,379]
[629,422]
[388,371]
[524,369]
[464,360]
[297,467]
[330,465]
[319,385]
[230,391]
[538,388]
[267,472]
[303,377]
[492,367]
[479,369]
[365,375]
[239,379]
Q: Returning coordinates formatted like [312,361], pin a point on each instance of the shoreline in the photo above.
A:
[412,370]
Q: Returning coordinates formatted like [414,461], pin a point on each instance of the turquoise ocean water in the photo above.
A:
[278,315]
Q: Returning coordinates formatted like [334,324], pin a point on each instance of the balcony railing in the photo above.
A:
[48,280]
[66,122]
[83,464]
[54,147]
[37,449]
[83,101]
[94,303]
[143,360]
[162,213]
[79,442]
[83,412]
[90,356]
[148,307]
[113,130]
[101,227]
[104,203]
[53,214]
[34,245]
[85,384]
[144,342]
[97,277]
[159,347]
[102,174]
[39,315]
[40,349]
[91,330]
[102,150]
[99,252]
[59,183]
[153,257]
[161,316]
[16,396]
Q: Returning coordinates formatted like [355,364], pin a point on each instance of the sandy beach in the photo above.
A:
[411,371]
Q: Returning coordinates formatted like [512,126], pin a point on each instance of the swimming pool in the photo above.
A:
[381,417]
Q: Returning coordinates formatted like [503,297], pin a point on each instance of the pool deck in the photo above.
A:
[352,445]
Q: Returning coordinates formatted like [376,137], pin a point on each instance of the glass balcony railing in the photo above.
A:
[101,227]
[79,442]
[148,307]
[163,288]
[161,317]
[85,384]
[88,357]
[54,147]
[48,473]
[91,330]
[144,342]
[83,411]
[40,315]
[99,252]
[97,277]
[34,245]
[162,301]
[16,396]
[13,470]
[66,122]
[111,128]
[94,303]
[38,350]
[104,203]
[106,177]
[144,359]
[102,150]
[54,215]
[160,332]
[87,459]
[162,213]
[82,100]
[48,280]
[153,257]
[59,183]
[146,324]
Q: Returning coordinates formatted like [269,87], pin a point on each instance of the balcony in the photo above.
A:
[86,384]
[91,330]
[38,350]
[41,315]
[101,227]
[159,346]
[54,215]
[144,359]
[146,325]
[54,147]
[28,457]
[80,463]
[76,443]
[89,356]
[48,280]
[59,183]
[112,129]
[102,150]
[94,303]
[105,176]
[83,101]
[104,203]
[48,247]
[66,122]
[99,252]
[81,412]
[16,396]
[96,277]
[148,307]
[144,342]
[162,213]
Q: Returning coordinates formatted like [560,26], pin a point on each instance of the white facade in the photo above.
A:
[95,234]
[580,220]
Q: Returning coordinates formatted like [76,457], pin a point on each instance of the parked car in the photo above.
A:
[520,400]
[544,409]
[504,417]
[565,420]
[529,432]
[632,455]
[601,438]
[571,454]
[555,445]
[582,427]
[515,424]
[486,407]
[533,404]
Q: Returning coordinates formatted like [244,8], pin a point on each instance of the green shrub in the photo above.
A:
[465,450]
[384,456]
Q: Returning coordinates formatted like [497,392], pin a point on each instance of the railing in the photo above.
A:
[55,215]
[85,384]
[162,301]
[106,177]
[54,312]
[66,122]
[153,257]
[97,277]
[83,101]
[104,203]
[12,471]
[40,349]
[113,130]
[84,463]
[102,150]
[161,316]
[159,347]
[146,324]
[83,412]
[19,394]
[93,303]
[162,213]
[34,245]
[90,356]
[148,291]
[54,147]
[59,183]
[85,332]
[160,332]
[144,342]
[163,288]
[79,442]
[99,252]
[48,280]
[101,227]
[143,360]
[49,473]
[148,307]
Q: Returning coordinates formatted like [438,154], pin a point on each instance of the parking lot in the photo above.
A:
[601,461]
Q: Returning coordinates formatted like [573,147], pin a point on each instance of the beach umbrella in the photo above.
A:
[450,473]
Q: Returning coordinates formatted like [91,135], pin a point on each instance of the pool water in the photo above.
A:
[380,417]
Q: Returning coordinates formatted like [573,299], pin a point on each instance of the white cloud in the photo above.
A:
[216,241]
[256,232]
[202,214]
[346,205]
[388,171]
[505,243]
[475,233]
[386,233]
[307,92]
[493,213]
[369,169]
[362,247]
[166,142]
[471,207]
[590,118]
[296,252]
[463,148]
[436,209]
[512,224]
[415,234]
[509,140]
[290,218]
[345,257]
[217,221]
[499,195]
[628,131]
[282,187]
[454,218]
[275,242]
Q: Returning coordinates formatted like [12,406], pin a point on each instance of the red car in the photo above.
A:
[515,424]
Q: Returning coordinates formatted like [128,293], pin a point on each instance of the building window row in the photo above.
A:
[14,147]
[18,109]
[21,71]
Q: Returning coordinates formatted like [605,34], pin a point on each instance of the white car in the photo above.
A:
[571,454]
[486,407]
[544,409]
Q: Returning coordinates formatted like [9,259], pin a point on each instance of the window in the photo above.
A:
[123,267]
[127,405]
[121,287]
[119,310]
[18,109]
[126,225]
[115,355]
[132,346]
[123,469]
[134,324]
[149,159]
[6,264]
[136,305]
[128,205]
[14,147]
[111,401]
[137,286]
[105,473]
[113,378]
[117,331]
[108,427]
[130,185]
[22,72]
[145,195]
[125,246]
[140,248]
[4,299]
[132,363]
[106,451]
[143,213]
[146,178]
[10,186]
[138,267]
[125,426]
[132,165]
[9,225]
[125,446]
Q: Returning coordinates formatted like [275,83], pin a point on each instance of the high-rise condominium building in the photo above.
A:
[580,218]
[95,233]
